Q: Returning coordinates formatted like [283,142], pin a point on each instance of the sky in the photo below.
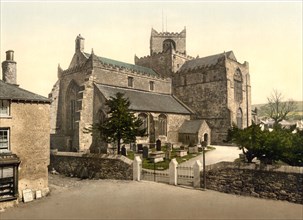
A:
[266,34]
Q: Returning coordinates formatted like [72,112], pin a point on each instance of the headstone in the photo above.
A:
[145,152]
[123,151]
[158,145]
[38,194]
[168,154]
[140,148]
[27,195]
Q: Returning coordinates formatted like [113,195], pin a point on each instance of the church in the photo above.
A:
[168,90]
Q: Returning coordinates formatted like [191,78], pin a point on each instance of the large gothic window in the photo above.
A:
[144,118]
[71,105]
[238,86]
[162,124]
[239,118]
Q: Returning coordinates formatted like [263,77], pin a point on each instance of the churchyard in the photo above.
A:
[159,157]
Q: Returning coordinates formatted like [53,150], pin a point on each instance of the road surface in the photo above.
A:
[110,199]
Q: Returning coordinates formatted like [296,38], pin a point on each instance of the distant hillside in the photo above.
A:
[297,114]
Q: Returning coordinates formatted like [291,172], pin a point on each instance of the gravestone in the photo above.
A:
[158,145]
[38,194]
[123,151]
[140,148]
[145,152]
[27,195]
[168,154]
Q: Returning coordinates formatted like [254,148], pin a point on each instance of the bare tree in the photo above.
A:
[278,109]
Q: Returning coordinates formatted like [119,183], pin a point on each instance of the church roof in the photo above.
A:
[146,101]
[128,66]
[206,61]
[191,126]
[13,92]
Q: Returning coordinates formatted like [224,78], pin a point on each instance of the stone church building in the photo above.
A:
[166,89]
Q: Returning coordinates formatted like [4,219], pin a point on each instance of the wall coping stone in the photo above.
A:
[102,156]
[254,166]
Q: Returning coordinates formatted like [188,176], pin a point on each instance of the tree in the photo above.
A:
[121,124]
[269,146]
[277,109]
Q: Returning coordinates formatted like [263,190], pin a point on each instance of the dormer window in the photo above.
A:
[4,108]
[151,85]
[130,81]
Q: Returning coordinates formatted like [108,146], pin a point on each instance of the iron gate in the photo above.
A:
[161,176]
[185,175]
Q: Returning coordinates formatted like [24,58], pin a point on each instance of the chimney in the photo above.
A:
[9,70]
[79,43]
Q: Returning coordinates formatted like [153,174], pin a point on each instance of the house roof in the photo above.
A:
[13,92]
[146,101]
[128,66]
[205,61]
[191,126]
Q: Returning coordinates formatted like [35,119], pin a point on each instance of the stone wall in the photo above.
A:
[279,183]
[115,76]
[29,139]
[97,166]
[204,90]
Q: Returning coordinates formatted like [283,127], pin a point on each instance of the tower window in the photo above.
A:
[130,81]
[151,85]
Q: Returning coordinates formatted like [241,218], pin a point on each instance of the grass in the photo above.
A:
[147,164]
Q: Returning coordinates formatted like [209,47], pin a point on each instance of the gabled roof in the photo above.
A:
[191,126]
[206,61]
[146,101]
[13,92]
[128,66]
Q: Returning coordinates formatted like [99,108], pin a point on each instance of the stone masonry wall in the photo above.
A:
[30,140]
[204,90]
[278,183]
[97,166]
[119,77]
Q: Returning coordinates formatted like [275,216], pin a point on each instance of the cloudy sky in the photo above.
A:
[266,34]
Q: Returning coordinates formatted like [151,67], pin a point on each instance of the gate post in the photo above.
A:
[137,168]
[173,175]
[197,174]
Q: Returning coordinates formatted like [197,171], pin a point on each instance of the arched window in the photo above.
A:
[162,124]
[239,118]
[71,105]
[144,118]
[169,44]
[238,86]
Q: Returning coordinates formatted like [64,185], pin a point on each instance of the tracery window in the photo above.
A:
[238,86]
[144,118]
[239,118]
[162,124]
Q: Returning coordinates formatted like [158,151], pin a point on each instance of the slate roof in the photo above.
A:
[146,101]
[206,61]
[12,92]
[191,126]
[128,66]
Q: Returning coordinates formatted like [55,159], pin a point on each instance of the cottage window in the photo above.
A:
[130,81]
[4,140]
[151,85]
[4,108]
[162,124]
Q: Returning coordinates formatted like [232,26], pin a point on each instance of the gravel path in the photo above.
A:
[71,198]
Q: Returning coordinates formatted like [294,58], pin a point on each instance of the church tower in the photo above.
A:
[165,41]
[167,52]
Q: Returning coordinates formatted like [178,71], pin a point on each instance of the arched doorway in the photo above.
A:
[205,138]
